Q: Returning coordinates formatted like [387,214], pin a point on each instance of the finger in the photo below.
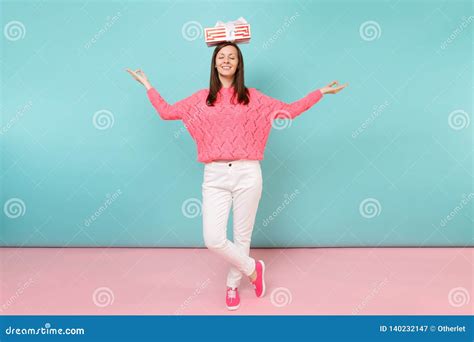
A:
[132,73]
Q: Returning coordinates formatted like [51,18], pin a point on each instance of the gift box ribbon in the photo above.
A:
[230,27]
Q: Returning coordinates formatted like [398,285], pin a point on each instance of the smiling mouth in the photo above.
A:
[226,67]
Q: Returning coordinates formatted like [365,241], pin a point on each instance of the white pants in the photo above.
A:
[238,182]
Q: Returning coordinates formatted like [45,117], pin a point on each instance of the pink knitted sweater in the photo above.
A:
[229,130]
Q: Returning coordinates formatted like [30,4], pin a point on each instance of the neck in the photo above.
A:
[226,81]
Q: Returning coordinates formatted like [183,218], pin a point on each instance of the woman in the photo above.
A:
[230,124]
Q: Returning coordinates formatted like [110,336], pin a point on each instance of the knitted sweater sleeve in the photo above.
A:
[170,111]
[282,110]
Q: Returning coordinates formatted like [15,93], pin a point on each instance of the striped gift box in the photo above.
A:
[219,34]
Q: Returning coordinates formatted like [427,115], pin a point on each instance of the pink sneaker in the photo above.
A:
[232,298]
[259,283]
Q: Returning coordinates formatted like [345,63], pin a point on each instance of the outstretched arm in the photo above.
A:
[164,109]
[283,110]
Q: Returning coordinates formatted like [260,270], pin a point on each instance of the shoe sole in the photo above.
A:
[232,308]
[263,279]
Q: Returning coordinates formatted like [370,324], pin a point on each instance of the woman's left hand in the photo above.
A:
[329,89]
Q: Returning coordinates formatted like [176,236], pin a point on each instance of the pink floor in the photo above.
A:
[156,281]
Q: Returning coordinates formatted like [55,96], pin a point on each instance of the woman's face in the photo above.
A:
[227,60]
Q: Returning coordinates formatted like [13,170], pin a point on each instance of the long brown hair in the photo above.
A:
[238,83]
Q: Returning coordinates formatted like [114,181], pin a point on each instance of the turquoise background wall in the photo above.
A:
[86,161]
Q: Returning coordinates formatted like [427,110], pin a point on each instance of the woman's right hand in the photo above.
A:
[140,76]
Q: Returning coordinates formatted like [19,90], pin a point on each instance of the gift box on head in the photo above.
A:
[237,31]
